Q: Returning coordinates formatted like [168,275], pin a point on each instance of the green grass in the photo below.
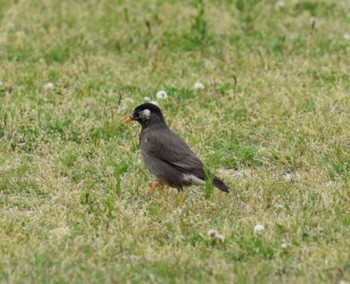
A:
[273,121]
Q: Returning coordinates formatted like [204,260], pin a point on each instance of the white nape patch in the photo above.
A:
[146,114]
[193,179]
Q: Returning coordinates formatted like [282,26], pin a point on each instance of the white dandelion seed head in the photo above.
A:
[198,86]
[259,228]
[154,102]
[147,99]
[162,95]
[346,36]
[220,237]
[49,86]
[213,233]
[278,206]
[287,177]
[284,245]
[280,5]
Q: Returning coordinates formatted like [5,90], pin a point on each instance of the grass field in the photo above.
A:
[272,120]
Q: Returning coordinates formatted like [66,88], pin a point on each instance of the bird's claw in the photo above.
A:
[181,198]
[153,187]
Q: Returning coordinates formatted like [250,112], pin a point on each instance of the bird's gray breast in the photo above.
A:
[151,160]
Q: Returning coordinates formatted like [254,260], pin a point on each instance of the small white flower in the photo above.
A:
[220,237]
[284,245]
[198,86]
[280,5]
[154,102]
[258,229]
[49,86]
[162,95]
[147,99]
[346,36]
[213,233]
[278,206]
[287,177]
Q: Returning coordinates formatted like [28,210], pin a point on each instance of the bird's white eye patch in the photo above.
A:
[146,114]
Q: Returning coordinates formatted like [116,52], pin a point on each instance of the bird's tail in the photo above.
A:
[221,185]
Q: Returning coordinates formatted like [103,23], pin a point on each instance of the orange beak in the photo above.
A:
[127,120]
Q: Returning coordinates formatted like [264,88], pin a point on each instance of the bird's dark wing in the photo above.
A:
[171,149]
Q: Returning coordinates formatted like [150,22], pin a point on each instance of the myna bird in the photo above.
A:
[166,155]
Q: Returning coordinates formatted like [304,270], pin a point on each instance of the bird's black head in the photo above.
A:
[147,114]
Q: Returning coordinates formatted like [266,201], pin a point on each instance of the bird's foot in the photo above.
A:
[181,198]
[154,186]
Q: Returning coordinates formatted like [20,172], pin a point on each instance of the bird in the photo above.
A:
[167,155]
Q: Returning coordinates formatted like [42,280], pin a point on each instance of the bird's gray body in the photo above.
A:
[166,155]
[169,158]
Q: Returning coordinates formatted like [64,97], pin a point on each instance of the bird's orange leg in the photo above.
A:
[181,198]
[153,187]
